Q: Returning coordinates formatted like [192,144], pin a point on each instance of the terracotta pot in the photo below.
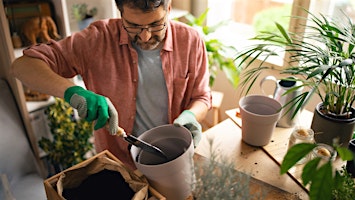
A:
[327,128]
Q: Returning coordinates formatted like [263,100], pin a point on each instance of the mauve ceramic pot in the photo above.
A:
[173,177]
[259,115]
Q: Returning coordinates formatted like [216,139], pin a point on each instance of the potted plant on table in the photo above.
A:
[323,60]
[83,15]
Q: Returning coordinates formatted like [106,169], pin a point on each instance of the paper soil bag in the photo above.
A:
[79,174]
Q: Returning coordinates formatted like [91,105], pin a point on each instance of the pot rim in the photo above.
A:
[274,104]
[329,117]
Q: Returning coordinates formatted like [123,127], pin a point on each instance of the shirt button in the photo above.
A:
[134,99]
[134,62]
[134,80]
[132,117]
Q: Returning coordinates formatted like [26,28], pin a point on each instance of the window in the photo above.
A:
[247,17]
[334,7]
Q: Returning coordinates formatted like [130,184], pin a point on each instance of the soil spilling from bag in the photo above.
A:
[105,184]
[172,147]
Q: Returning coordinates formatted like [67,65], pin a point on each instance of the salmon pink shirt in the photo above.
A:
[103,55]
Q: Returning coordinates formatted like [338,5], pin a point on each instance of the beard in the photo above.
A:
[151,44]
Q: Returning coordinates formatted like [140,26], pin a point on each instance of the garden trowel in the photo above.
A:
[141,144]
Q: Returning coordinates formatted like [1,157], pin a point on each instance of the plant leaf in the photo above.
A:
[294,154]
[322,183]
[344,153]
[283,32]
[309,170]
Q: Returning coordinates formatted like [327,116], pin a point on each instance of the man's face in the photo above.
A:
[146,29]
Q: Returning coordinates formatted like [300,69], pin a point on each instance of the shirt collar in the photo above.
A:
[168,45]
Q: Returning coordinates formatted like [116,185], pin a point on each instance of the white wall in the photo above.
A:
[105,9]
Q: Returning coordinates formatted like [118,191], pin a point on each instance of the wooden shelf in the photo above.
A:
[37,105]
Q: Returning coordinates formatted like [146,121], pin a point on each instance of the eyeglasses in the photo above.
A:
[138,30]
[151,28]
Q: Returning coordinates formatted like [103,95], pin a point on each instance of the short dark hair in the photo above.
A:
[144,5]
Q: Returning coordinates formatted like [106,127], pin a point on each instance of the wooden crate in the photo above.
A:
[50,183]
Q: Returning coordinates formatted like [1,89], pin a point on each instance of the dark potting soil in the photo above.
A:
[105,184]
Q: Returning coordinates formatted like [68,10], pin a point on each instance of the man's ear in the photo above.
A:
[169,8]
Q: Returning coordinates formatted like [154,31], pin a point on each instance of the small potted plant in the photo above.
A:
[71,142]
[217,178]
[83,15]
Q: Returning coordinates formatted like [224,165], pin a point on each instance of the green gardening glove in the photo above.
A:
[188,120]
[92,106]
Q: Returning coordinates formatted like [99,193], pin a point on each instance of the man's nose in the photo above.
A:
[145,35]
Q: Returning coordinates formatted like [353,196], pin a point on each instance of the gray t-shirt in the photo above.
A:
[152,95]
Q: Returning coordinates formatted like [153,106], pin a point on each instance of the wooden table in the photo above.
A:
[262,163]
[278,145]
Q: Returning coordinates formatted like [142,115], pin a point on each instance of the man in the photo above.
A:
[153,70]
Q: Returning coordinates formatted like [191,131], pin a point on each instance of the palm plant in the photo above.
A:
[322,58]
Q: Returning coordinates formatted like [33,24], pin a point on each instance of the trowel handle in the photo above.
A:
[121,132]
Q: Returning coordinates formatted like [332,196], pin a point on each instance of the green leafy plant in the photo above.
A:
[323,59]
[71,136]
[344,186]
[81,11]
[324,184]
[217,51]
